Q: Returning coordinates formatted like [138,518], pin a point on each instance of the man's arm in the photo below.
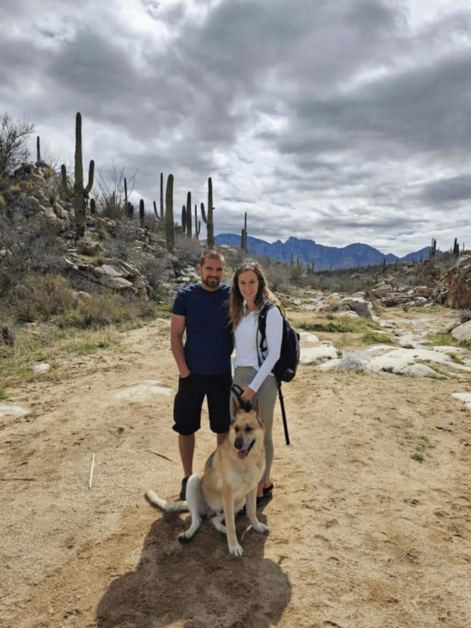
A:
[177,330]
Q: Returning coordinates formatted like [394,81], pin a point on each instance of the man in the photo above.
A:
[202,309]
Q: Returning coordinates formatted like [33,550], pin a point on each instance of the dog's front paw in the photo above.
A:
[236,550]
[261,528]
[183,538]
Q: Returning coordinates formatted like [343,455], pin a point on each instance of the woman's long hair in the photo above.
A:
[237,300]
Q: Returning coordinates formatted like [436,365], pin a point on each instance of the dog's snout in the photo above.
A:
[239,443]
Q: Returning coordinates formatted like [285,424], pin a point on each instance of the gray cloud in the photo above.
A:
[448,190]
[320,119]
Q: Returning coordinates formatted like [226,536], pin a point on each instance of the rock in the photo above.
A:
[349,313]
[458,280]
[312,354]
[114,271]
[360,306]
[12,411]
[462,332]
[307,336]
[350,361]
[464,397]
[381,291]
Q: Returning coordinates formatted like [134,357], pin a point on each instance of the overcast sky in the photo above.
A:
[340,121]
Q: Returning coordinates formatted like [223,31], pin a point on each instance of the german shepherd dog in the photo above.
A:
[230,479]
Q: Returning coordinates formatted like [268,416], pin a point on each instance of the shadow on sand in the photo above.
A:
[197,584]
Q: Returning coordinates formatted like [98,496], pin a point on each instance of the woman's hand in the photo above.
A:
[247,394]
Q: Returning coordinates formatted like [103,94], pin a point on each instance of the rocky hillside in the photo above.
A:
[37,224]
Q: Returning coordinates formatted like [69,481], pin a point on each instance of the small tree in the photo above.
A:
[13,137]
[115,188]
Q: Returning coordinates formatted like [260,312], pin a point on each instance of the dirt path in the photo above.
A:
[361,535]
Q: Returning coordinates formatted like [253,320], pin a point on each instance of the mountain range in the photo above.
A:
[324,257]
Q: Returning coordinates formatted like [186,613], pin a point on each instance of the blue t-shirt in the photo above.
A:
[208,345]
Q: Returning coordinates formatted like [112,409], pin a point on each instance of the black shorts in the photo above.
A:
[189,401]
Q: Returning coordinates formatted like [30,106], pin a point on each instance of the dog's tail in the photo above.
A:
[153,498]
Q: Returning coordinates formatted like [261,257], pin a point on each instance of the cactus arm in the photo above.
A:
[65,184]
[91,171]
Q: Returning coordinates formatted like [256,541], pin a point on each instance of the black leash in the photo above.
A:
[238,392]
[283,413]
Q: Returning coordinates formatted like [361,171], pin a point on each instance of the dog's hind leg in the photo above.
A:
[196,506]
[217,522]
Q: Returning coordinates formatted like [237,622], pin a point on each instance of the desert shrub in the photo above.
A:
[121,246]
[101,310]
[188,250]
[156,272]
[278,275]
[343,324]
[22,254]
[41,297]
[370,338]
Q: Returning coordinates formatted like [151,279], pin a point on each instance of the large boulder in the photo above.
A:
[462,332]
[458,280]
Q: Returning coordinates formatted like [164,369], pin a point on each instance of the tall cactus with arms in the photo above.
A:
[80,194]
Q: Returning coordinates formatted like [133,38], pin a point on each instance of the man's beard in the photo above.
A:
[211,282]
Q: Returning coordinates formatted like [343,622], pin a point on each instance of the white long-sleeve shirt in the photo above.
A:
[246,339]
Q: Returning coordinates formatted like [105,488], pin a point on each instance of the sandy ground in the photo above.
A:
[361,535]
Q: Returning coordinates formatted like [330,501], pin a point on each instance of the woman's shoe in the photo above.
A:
[267,490]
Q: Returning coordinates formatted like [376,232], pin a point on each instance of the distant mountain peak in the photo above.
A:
[324,257]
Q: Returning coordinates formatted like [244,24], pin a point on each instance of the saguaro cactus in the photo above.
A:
[183,219]
[197,224]
[188,215]
[141,212]
[208,220]
[38,149]
[162,212]
[80,194]
[169,224]
[243,239]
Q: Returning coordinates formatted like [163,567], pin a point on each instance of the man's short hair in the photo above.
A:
[212,254]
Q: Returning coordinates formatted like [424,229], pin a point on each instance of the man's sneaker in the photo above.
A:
[183,489]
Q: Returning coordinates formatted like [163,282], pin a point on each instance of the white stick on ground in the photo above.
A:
[91,472]
[152,451]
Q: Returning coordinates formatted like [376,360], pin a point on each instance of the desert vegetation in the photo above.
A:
[52,220]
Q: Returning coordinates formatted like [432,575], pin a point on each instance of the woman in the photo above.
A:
[252,370]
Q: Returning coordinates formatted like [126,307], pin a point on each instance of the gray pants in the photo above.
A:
[266,396]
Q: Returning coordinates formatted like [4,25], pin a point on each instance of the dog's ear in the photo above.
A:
[256,406]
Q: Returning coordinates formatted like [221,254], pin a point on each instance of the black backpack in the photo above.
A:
[285,368]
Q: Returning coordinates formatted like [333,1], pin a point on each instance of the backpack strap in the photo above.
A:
[261,331]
